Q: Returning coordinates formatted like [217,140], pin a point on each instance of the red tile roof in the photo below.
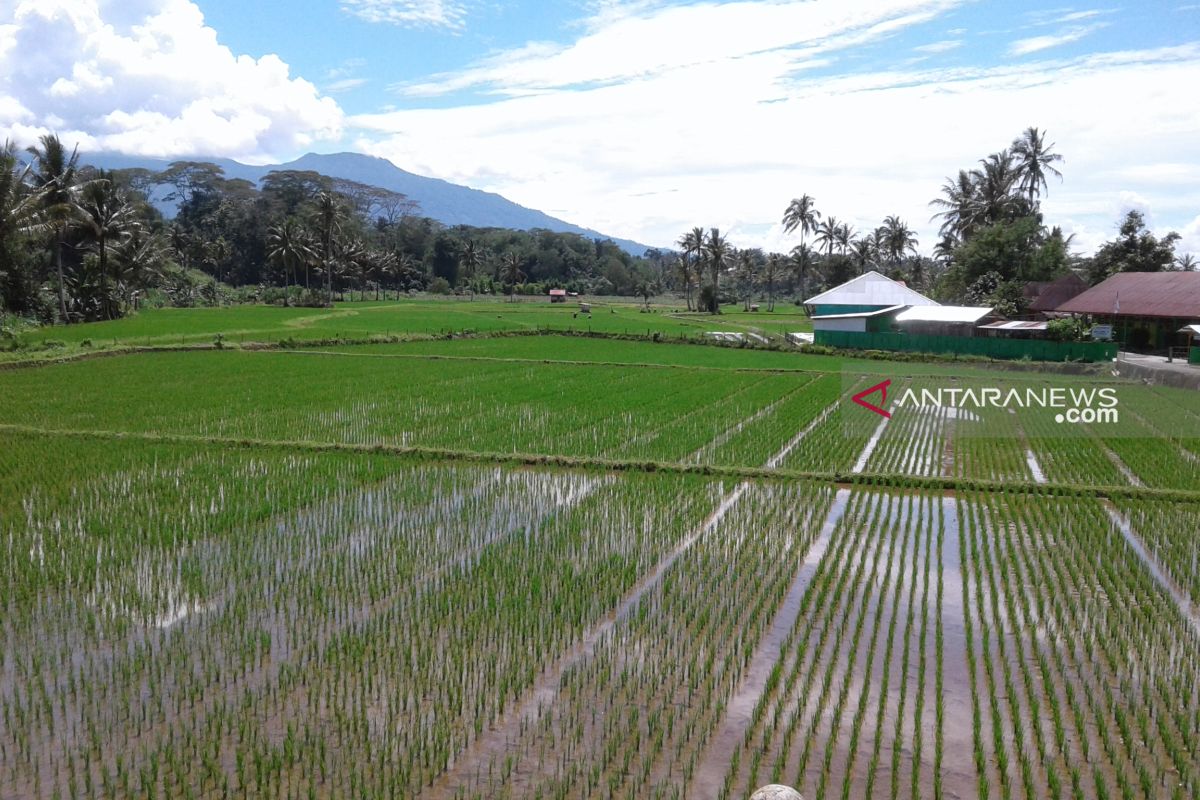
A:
[1141,294]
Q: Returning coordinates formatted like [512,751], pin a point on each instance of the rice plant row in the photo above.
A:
[850,709]
[597,411]
[1171,534]
[1083,671]
[350,646]
[633,720]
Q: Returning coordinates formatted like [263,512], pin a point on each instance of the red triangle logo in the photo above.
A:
[882,388]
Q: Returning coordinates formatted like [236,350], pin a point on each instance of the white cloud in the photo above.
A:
[149,77]
[1078,16]
[647,146]
[344,85]
[944,46]
[635,46]
[1189,241]
[1034,44]
[409,13]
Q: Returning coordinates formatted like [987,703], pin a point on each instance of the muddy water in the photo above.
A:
[715,762]
[958,766]
[1186,607]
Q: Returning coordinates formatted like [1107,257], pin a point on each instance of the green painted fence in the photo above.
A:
[1194,355]
[1036,349]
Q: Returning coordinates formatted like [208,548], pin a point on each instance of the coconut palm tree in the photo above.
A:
[20,215]
[801,213]
[683,269]
[470,260]
[511,272]
[717,252]
[997,196]
[801,260]
[1186,262]
[405,266]
[748,274]
[774,262]
[958,205]
[1034,160]
[827,234]
[383,266]
[944,250]
[899,240]
[862,253]
[349,260]
[106,217]
[288,248]
[55,174]
[845,235]
[329,215]
[216,253]
[136,261]
[692,245]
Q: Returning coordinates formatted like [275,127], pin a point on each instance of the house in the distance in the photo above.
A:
[1146,309]
[1043,297]
[873,312]
[869,292]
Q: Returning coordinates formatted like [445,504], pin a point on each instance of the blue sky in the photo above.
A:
[642,118]
[363,61]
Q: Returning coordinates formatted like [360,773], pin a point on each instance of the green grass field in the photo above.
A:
[560,566]
[360,320]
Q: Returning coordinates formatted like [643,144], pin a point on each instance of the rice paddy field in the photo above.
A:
[419,316]
[550,567]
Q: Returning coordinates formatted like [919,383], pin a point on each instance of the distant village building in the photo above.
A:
[1192,333]
[1015,329]
[870,291]
[873,312]
[1146,309]
[944,320]
[558,295]
[1044,297]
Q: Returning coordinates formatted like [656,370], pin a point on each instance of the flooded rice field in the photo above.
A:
[212,619]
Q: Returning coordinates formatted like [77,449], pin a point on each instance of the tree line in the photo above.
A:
[79,244]
[993,242]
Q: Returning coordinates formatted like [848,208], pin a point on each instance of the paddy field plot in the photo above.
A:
[505,572]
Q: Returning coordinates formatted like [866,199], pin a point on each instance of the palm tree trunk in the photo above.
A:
[104,298]
[62,288]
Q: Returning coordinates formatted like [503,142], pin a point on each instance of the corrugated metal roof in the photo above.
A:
[1048,296]
[858,314]
[871,289]
[1192,329]
[1141,294]
[944,314]
[1015,325]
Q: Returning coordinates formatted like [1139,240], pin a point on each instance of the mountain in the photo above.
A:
[448,203]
